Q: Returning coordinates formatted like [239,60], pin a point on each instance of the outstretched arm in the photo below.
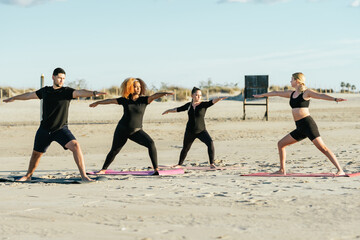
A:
[285,94]
[172,110]
[310,93]
[86,93]
[215,100]
[24,96]
[158,95]
[107,101]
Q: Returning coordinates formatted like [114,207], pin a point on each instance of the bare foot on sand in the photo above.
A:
[87,179]
[212,166]
[340,173]
[281,172]
[156,172]
[177,166]
[102,171]
[24,179]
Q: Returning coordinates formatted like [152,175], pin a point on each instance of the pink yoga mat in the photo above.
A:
[140,173]
[263,174]
[204,168]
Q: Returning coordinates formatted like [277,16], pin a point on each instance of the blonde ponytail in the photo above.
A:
[300,78]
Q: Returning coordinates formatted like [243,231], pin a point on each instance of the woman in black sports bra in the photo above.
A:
[305,125]
[195,127]
[130,125]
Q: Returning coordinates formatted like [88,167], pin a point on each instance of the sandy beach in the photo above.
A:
[195,205]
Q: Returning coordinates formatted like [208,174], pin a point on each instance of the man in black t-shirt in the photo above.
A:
[54,121]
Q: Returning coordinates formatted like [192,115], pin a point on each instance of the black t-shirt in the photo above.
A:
[196,122]
[55,106]
[133,111]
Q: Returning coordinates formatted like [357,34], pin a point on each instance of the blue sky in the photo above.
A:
[180,42]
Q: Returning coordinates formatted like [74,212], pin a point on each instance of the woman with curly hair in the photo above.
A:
[305,124]
[134,102]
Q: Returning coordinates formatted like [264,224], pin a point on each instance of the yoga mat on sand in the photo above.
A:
[50,180]
[141,173]
[204,168]
[264,174]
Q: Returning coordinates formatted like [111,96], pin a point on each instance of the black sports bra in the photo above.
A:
[298,102]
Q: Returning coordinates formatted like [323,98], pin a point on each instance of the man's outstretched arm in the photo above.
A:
[24,96]
[86,93]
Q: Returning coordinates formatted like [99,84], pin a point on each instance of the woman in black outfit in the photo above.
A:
[130,125]
[195,127]
[305,125]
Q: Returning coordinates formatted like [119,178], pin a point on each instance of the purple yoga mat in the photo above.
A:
[140,173]
[263,174]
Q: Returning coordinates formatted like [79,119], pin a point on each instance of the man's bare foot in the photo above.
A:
[281,172]
[340,173]
[24,179]
[177,166]
[212,166]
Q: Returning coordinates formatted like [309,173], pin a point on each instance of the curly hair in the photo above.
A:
[127,87]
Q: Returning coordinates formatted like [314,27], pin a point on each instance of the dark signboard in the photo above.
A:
[256,84]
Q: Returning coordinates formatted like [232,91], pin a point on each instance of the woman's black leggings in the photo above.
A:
[190,137]
[121,135]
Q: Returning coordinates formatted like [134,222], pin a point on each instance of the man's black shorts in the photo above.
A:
[44,138]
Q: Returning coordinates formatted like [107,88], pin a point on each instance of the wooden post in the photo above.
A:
[1,96]
[42,81]
[257,104]
[175,95]
[207,94]
[267,109]
[244,103]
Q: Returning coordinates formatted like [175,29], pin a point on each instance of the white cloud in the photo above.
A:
[355,3]
[354,42]
[25,3]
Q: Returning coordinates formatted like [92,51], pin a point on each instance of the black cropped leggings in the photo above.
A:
[121,135]
[190,137]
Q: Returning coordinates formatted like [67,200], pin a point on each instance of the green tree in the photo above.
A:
[353,88]
[342,86]
[348,85]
